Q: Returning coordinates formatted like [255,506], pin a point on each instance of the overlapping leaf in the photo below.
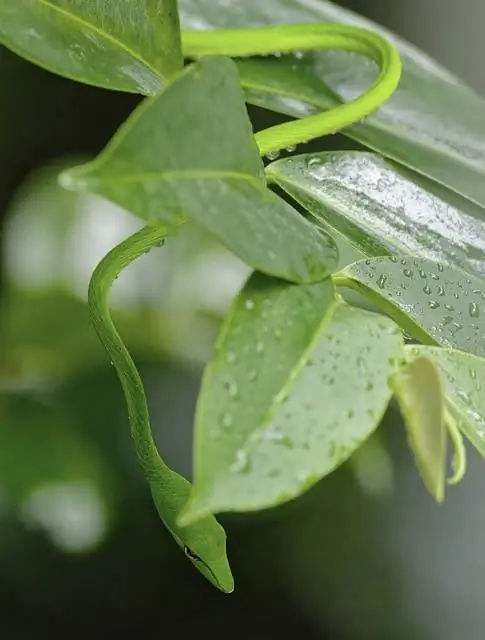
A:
[464,383]
[382,211]
[183,153]
[435,303]
[299,381]
[418,389]
[433,123]
[124,45]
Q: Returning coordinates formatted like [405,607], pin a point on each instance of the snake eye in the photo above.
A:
[190,554]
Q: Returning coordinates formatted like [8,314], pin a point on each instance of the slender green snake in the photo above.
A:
[204,542]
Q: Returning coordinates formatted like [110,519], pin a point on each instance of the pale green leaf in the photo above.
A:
[418,389]
[464,384]
[434,303]
[183,153]
[299,381]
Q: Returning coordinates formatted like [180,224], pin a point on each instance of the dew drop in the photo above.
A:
[393,259]
[427,289]
[273,155]
[465,397]
[314,161]
[474,310]
[456,327]
[241,463]
[441,291]
[408,273]
[433,304]
[381,281]
[231,388]
[291,148]
[249,304]
[226,419]
[231,357]
[422,273]
[298,54]
[259,347]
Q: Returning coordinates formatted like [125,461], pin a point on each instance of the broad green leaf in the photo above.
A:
[463,383]
[123,45]
[381,211]
[433,123]
[183,153]
[299,381]
[434,303]
[417,386]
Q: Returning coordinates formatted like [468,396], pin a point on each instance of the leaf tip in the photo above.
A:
[75,179]
[191,513]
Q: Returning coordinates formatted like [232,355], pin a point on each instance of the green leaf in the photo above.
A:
[381,211]
[433,123]
[434,303]
[417,386]
[183,152]
[298,383]
[123,45]
[463,383]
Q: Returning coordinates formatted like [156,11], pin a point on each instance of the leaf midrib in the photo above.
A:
[293,373]
[205,174]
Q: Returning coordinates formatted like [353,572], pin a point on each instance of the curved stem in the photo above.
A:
[288,38]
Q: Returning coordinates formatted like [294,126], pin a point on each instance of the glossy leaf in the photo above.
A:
[463,383]
[124,45]
[381,211]
[418,389]
[298,383]
[184,153]
[433,123]
[434,303]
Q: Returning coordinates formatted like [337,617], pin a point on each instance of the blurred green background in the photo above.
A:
[365,554]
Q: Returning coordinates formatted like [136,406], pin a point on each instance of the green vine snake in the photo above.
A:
[204,542]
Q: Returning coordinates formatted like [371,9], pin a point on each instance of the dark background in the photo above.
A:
[365,554]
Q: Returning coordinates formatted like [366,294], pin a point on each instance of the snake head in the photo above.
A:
[214,566]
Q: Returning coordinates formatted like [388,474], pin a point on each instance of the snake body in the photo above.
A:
[204,542]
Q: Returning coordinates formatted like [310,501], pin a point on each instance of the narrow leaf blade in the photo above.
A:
[463,383]
[417,386]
